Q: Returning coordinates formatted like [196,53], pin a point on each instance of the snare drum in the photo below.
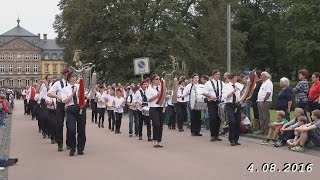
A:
[196,98]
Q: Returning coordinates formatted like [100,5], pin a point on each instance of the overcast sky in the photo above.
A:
[37,16]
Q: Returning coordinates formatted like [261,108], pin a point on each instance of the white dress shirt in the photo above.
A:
[266,87]
[43,91]
[101,97]
[208,88]
[110,100]
[118,104]
[184,91]
[228,88]
[151,92]
[67,91]
[53,106]
[56,87]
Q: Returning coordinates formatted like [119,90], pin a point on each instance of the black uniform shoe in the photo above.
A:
[60,148]
[140,137]
[232,143]
[212,139]
[68,147]
[80,153]
[217,139]
[149,139]
[237,143]
[71,153]
[102,126]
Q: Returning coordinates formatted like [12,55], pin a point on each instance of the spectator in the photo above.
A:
[314,92]
[284,99]
[253,100]
[287,130]
[301,90]
[310,132]
[264,101]
[293,142]
[274,128]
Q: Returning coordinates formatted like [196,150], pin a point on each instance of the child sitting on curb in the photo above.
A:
[310,132]
[293,142]
[287,130]
[274,128]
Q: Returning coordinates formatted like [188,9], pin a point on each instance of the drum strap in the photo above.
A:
[214,88]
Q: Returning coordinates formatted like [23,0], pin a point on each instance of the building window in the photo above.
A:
[27,68]
[11,83]
[35,57]
[54,68]
[19,68]
[22,56]
[27,57]
[2,82]
[54,56]
[46,56]
[10,68]
[61,56]
[19,57]
[10,56]
[35,80]
[2,56]
[2,68]
[46,68]
[35,69]
[27,82]
[19,82]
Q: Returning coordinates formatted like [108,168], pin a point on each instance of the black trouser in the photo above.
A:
[101,112]
[171,116]
[111,119]
[156,116]
[214,118]
[94,113]
[32,104]
[234,117]
[60,113]
[118,121]
[146,120]
[25,103]
[195,118]
[76,125]
[181,109]
[286,135]
[52,123]
[43,117]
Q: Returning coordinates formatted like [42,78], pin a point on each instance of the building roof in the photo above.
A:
[18,31]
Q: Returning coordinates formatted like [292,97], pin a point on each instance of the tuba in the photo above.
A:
[248,87]
[169,87]
[87,80]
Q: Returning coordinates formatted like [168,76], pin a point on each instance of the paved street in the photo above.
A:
[109,156]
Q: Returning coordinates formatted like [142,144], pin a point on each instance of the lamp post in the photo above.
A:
[229,37]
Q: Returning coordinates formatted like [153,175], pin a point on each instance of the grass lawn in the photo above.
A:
[273,115]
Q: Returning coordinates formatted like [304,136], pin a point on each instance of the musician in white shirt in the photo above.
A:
[195,115]
[76,118]
[231,94]
[101,97]
[110,108]
[133,112]
[55,92]
[119,104]
[213,93]
[142,102]
[181,105]
[42,111]
[155,112]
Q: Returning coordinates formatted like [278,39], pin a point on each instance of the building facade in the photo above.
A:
[26,58]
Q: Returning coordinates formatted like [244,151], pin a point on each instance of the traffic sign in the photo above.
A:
[141,66]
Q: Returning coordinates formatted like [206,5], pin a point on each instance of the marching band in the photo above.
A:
[152,102]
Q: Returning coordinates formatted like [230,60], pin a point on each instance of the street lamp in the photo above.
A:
[229,37]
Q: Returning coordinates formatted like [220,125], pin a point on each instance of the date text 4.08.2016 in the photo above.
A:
[286,167]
